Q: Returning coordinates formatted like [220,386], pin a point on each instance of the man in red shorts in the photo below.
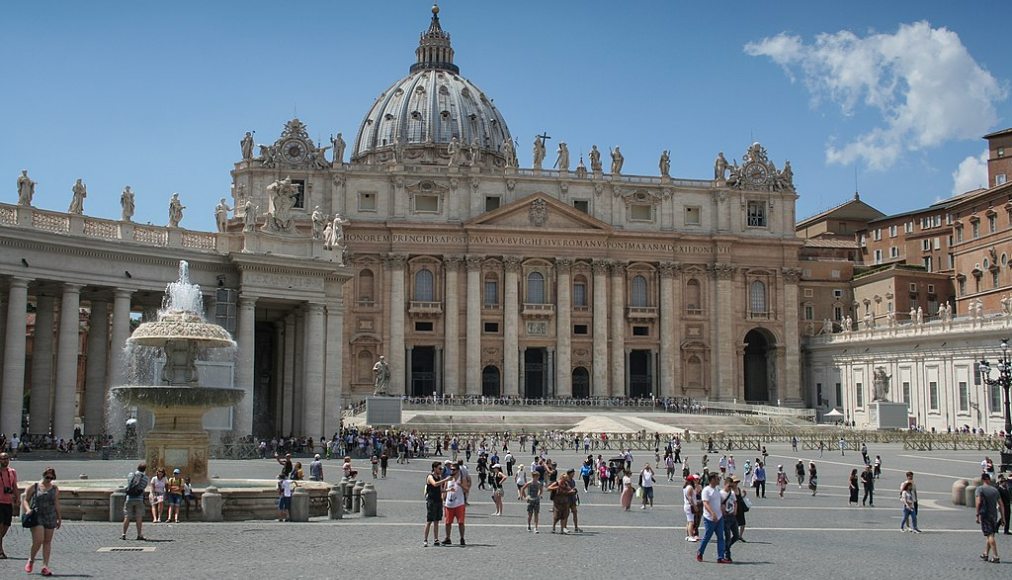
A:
[453,504]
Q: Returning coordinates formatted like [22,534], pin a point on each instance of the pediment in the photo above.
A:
[539,211]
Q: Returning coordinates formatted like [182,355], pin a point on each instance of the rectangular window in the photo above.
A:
[952,261]
[579,294]
[809,312]
[859,393]
[692,216]
[580,329]
[300,193]
[933,396]
[1000,152]
[927,263]
[878,256]
[582,205]
[426,204]
[894,252]
[837,293]
[992,223]
[964,397]
[913,288]
[877,234]
[1000,179]
[641,212]
[366,201]
[959,235]
[641,331]
[962,286]
[491,292]
[975,229]
[926,245]
[906,392]
[937,221]
[931,288]
[423,327]
[756,214]
[837,313]
[839,395]
[892,231]
[491,328]
[908,227]
[492,202]
[937,241]
[994,394]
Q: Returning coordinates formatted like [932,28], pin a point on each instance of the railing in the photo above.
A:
[51,222]
[641,312]
[538,310]
[418,307]
[883,331]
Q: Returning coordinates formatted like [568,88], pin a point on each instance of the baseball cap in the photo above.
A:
[317,456]
[176,470]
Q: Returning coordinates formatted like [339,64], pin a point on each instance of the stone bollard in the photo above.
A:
[346,493]
[970,496]
[211,504]
[958,487]
[117,499]
[336,500]
[368,501]
[300,506]
[356,497]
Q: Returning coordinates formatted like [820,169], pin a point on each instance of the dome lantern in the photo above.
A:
[434,50]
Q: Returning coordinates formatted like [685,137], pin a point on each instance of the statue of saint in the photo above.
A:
[616,161]
[827,326]
[848,324]
[339,145]
[786,177]
[509,152]
[126,202]
[562,161]
[247,146]
[719,167]
[595,159]
[318,157]
[281,199]
[539,152]
[381,376]
[249,216]
[176,208]
[80,192]
[475,152]
[665,163]
[26,189]
[221,215]
[268,155]
[318,220]
[880,384]
[453,150]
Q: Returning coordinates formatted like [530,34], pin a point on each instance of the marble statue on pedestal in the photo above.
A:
[80,191]
[920,316]
[381,376]
[562,161]
[665,163]
[281,199]
[339,145]
[595,159]
[221,215]
[891,319]
[848,324]
[720,167]
[126,203]
[453,151]
[318,220]
[249,217]
[913,315]
[617,160]
[539,152]
[880,384]
[510,153]
[827,326]
[247,146]
[26,189]
[176,208]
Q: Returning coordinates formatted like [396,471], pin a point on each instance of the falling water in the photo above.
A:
[182,295]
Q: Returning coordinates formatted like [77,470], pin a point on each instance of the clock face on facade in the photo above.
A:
[756,173]
[293,151]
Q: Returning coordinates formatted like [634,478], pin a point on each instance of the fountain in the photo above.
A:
[178,438]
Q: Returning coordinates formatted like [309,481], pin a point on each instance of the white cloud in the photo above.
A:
[971,174]
[922,82]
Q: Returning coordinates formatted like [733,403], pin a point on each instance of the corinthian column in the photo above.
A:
[473,326]
[66,362]
[312,398]
[791,376]
[600,361]
[39,415]
[334,378]
[563,330]
[618,374]
[451,327]
[511,313]
[396,345]
[14,357]
[95,383]
[244,364]
[668,338]
[116,357]
[723,386]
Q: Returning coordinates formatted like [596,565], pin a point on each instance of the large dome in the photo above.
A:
[417,118]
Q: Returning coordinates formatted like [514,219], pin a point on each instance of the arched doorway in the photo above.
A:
[581,383]
[758,364]
[490,382]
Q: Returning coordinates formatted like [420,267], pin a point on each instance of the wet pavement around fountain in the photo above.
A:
[797,536]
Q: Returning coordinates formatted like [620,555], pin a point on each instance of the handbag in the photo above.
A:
[639,492]
[747,502]
[31,519]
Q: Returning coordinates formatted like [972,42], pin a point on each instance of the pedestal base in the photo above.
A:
[184,450]
[383,411]
[888,415]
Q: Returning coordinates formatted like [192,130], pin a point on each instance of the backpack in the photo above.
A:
[136,487]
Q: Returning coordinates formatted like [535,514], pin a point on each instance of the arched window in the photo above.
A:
[693,297]
[491,290]
[535,288]
[366,289]
[580,291]
[757,297]
[639,292]
[424,291]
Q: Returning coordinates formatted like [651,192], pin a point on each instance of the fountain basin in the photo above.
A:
[203,398]
[180,325]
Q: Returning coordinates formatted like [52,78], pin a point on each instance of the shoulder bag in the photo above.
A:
[31,519]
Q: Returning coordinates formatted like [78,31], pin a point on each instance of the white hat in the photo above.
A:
[317,456]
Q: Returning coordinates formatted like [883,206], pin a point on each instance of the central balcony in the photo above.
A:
[535,311]
[641,312]
[418,309]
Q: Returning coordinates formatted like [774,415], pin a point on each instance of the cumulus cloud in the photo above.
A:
[970,174]
[923,83]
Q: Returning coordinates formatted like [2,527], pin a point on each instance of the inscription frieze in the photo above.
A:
[282,281]
[520,240]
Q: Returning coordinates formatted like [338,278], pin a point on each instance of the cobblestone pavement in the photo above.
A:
[799,536]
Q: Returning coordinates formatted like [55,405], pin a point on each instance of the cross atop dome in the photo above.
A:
[434,50]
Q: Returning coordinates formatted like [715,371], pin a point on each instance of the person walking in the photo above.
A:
[852,487]
[1005,492]
[496,479]
[316,469]
[532,490]
[843,445]
[909,514]
[9,494]
[760,480]
[813,478]
[689,508]
[799,469]
[134,504]
[729,518]
[669,466]
[647,484]
[560,492]
[989,507]
[712,514]
[521,480]
[41,505]
[585,470]
[574,501]
[864,454]
[878,466]
[868,482]
[157,495]
[433,503]
[781,481]
[627,490]
[453,504]
[743,507]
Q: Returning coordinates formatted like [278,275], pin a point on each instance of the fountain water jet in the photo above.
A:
[178,438]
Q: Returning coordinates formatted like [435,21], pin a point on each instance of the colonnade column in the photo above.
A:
[618,374]
[246,331]
[723,386]
[13,391]
[95,383]
[298,369]
[39,415]
[451,327]
[511,332]
[396,354]
[116,358]
[600,354]
[563,330]
[473,326]
[667,328]
[312,398]
[791,376]
[67,349]
[334,377]
[288,380]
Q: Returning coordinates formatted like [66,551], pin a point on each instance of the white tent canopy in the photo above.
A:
[834,413]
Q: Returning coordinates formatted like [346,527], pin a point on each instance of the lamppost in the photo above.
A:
[1004,380]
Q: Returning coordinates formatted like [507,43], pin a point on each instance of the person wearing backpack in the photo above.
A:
[134,505]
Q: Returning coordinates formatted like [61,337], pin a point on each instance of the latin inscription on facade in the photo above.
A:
[538,242]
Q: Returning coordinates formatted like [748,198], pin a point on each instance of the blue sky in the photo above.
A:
[891,95]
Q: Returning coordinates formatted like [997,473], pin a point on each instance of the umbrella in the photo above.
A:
[833,413]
